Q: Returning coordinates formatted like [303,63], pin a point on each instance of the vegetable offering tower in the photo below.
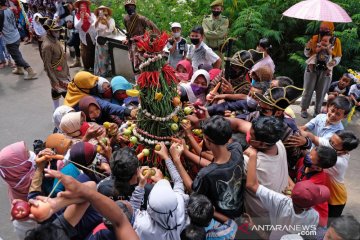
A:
[160,107]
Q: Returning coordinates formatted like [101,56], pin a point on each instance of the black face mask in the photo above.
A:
[94,91]
[216,13]
[130,9]
[195,41]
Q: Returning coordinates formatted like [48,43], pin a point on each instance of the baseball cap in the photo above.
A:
[175,25]
[306,194]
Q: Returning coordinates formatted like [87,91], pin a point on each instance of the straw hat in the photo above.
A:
[78,2]
[51,25]
[102,7]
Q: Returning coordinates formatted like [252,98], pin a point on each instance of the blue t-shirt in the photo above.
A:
[10,31]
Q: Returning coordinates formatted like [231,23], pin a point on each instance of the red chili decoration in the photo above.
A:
[151,42]
[148,79]
[169,74]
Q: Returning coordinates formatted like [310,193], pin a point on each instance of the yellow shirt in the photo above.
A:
[338,193]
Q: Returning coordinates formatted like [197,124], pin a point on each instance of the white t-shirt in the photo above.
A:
[201,55]
[282,213]
[338,171]
[272,172]
[354,90]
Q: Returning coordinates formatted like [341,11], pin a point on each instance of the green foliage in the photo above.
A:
[251,20]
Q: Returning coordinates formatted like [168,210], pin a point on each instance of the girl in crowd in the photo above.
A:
[104,26]
[184,70]
[197,88]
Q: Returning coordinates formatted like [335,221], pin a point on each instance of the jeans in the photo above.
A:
[318,81]
[2,51]
[74,41]
[15,53]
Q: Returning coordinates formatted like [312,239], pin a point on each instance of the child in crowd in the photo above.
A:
[284,211]
[323,54]
[321,158]
[338,88]
[201,212]
[325,125]
[354,93]
[238,102]
[342,142]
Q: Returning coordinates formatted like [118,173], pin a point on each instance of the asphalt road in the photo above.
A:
[26,110]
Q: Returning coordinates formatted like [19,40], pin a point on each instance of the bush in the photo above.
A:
[251,20]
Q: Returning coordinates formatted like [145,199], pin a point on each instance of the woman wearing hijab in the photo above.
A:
[184,70]
[104,88]
[104,26]
[83,84]
[96,113]
[119,85]
[85,154]
[197,88]
[17,167]
[84,23]
[319,80]
[58,114]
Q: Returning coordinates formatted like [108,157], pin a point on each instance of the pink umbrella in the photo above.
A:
[319,10]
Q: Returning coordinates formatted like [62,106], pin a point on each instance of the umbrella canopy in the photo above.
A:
[319,10]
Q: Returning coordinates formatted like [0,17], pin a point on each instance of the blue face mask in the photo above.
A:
[197,89]
[253,81]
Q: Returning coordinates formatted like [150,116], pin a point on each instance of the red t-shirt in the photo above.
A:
[316,178]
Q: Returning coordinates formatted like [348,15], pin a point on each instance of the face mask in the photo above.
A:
[234,74]
[216,13]
[107,94]
[197,89]
[120,96]
[252,103]
[55,34]
[94,90]
[176,35]
[307,161]
[130,10]
[195,41]
[253,81]
[84,127]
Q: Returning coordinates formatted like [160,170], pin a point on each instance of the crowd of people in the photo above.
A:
[240,161]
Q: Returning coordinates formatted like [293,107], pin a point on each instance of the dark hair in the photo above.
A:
[198,29]
[218,129]
[342,102]
[327,157]
[265,43]
[350,76]
[125,210]
[200,210]
[347,227]
[240,138]
[46,231]
[349,140]
[193,232]
[3,2]
[284,81]
[268,129]
[124,165]
[263,86]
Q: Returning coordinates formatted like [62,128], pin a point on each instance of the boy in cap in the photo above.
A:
[216,26]
[285,211]
[55,63]
[177,45]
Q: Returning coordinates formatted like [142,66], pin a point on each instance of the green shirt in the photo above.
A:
[215,30]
